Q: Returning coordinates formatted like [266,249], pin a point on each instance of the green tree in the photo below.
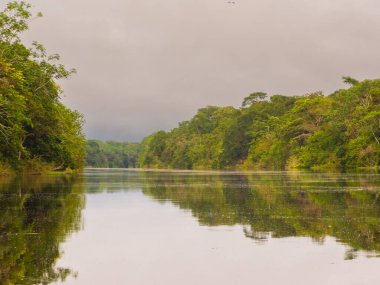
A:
[253,98]
[34,125]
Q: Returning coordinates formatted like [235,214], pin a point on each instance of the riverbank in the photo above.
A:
[236,171]
[41,168]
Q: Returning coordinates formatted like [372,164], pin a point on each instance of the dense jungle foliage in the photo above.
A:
[111,154]
[335,132]
[36,129]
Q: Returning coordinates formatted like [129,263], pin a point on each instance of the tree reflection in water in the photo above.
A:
[36,215]
[279,205]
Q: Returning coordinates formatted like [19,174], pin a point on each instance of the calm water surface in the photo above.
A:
[136,227]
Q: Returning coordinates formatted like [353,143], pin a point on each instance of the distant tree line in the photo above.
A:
[111,154]
[335,132]
[36,129]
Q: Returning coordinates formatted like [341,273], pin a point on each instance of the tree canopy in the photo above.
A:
[111,154]
[35,127]
[313,131]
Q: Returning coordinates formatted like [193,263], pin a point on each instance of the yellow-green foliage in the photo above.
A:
[313,131]
[36,129]
[111,154]
[5,170]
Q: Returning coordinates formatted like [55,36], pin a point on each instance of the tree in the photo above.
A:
[349,80]
[34,125]
[313,131]
[253,98]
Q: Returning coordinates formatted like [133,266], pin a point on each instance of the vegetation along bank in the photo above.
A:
[330,133]
[37,132]
[336,132]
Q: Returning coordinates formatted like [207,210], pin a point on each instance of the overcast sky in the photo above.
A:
[145,65]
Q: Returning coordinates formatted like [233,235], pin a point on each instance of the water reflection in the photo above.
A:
[36,215]
[270,205]
[139,228]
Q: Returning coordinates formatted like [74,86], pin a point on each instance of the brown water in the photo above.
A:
[141,227]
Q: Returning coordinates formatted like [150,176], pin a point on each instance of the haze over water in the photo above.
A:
[143,227]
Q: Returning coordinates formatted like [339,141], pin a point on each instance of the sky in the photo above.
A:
[145,65]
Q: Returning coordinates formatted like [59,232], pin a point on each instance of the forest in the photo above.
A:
[329,133]
[37,131]
[111,154]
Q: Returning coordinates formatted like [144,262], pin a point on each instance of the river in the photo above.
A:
[187,227]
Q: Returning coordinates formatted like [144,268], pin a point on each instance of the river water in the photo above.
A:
[186,227]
